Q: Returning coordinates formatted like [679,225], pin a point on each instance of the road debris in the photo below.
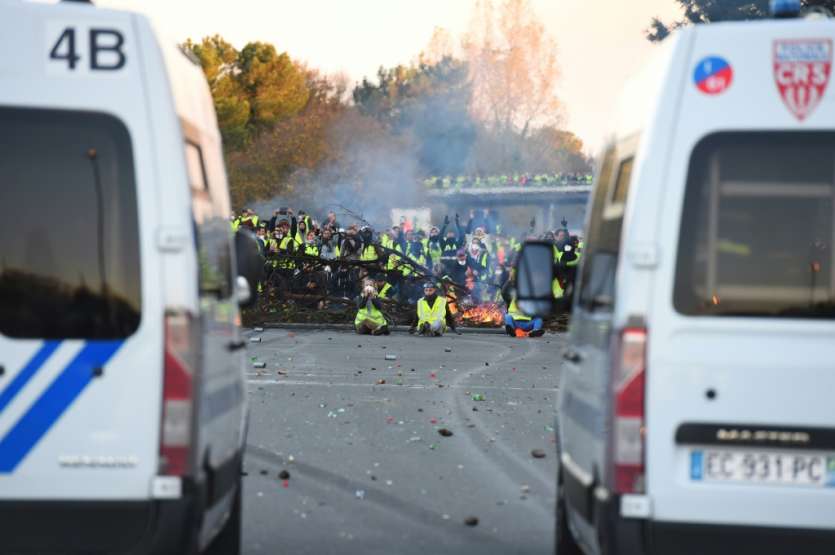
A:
[381,381]
[359,494]
[447,350]
[284,475]
[445,432]
[255,340]
[391,357]
[259,364]
[538,454]
[471,521]
[258,329]
[478,397]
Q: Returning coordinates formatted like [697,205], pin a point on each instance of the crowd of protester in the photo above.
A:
[465,261]
[515,180]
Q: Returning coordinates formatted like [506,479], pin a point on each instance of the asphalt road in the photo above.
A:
[369,471]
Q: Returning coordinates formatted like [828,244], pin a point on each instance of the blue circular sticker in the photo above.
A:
[713,75]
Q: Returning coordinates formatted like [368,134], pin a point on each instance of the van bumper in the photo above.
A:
[93,527]
[629,536]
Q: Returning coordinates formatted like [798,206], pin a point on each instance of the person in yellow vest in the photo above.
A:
[431,312]
[311,245]
[370,319]
[516,322]
[369,249]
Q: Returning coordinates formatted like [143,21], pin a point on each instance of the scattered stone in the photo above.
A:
[381,381]
[359,494]
[283,475]
[471,521]
[538,454]
[447,350]
[486,364]
[264,472]
[475,409]
[445,432]
[526,488]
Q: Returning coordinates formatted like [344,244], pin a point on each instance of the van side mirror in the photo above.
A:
[534,278]
[250,262]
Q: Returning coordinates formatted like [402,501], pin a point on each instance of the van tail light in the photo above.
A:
[628,379]
[181,348]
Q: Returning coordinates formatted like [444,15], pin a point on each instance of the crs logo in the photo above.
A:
[801,72]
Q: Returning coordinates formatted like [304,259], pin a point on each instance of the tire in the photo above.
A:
[228,540]
[564,543]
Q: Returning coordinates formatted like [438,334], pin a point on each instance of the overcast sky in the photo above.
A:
[600,42]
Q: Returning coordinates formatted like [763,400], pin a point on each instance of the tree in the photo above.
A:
[513,68]
[430,102]
[252,88]
[276,87]
[219,61]
[707,11]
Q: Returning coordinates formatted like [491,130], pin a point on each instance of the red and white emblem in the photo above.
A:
[801,71]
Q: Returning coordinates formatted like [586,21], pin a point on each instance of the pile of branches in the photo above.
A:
[308,289]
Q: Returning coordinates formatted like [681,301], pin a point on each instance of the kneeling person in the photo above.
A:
[431,312]
[370,318]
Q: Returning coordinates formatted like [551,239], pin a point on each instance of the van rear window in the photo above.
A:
[756,232]
[69,231]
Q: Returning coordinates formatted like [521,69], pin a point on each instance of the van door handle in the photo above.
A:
[572,356]
[235,345]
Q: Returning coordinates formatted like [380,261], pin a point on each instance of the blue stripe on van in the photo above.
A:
[52,403]
[27,373]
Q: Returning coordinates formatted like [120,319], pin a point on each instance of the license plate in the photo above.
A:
[762,467]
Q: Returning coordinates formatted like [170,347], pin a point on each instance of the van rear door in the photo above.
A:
[80,309]
[740,423]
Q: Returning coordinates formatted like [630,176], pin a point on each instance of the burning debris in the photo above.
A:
[484,315]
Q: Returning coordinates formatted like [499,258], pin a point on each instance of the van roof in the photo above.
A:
[751,99]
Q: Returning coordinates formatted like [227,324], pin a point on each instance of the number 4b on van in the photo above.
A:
[696,398]
[122,401]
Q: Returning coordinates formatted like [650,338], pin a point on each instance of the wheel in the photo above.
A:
[564,543]
[228,540]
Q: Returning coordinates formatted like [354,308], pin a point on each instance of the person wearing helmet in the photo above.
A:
[431,312]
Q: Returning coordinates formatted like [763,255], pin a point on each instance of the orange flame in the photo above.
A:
[488,313]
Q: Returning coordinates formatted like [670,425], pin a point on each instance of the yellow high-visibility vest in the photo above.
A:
[517,314]
[371,313]
[369,254]
[435,313]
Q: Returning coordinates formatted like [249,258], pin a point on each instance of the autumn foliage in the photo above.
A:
[483,104]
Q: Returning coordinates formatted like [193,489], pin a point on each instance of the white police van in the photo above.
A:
[122,401]
[696,411]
